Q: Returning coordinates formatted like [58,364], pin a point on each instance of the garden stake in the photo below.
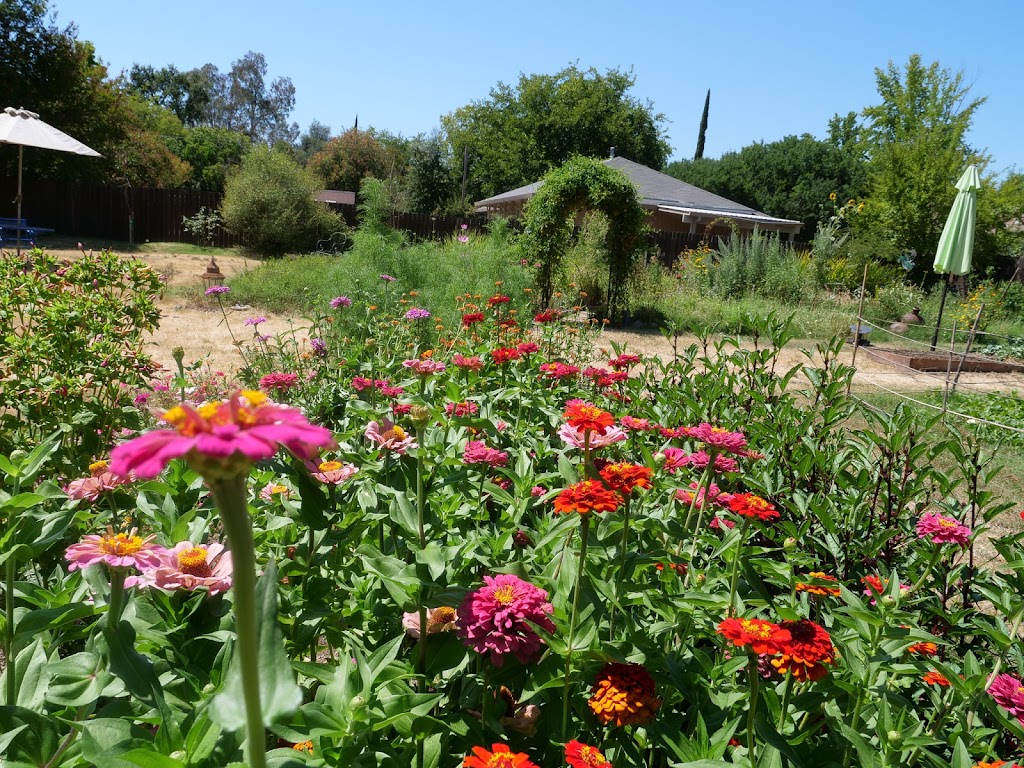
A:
[229,496]
[584,536]
[734,578]
[856,333]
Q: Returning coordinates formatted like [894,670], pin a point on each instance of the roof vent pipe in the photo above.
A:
[612,153]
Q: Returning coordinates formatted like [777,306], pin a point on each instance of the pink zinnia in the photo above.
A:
[331,472]
[719,439]
[222,438]
[118,550]
[676,458]
[631,424]
[943,530]
[477,452]
[624,361]
[497,618]
[389,436]
[1008,693]
[463,409]
[574,437]
[424,367]
[473,363]
[279,381]
[100,481]
[713,494]
[559,370]
[191,566]
[341,301]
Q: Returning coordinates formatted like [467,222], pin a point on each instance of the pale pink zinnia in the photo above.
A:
[331,472]
[498,618]
[424,367]
[575,438]
[477,452]
[1008,693]
[270,490]
[100,481]
[632,424]
[389,436]
[118,550]
[191,566]
[222,437]
[942,530]
[719,439]
[438,620]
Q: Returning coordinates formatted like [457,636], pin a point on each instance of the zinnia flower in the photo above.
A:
[387,278]
[676,458]
[497,618]
[438,620]
[1008,693]
[503,355]
[417,314]
[575,437]
[281,382]
[923,648]
[587,496]
[99,482]
[713,494]
[476,452]
[118,550]
[757,635]
[191,566]
[586,417]
[805,655]
[462,409]
[254,320]
[632,424]
[942,530]
[473,363]
[623,694]
[270,490]
[559,370]
[935,678]
[719,439]
[424,367]
[215,290]
[222,438]
[389,436]
[332,472]
[623,361]
[624,477]
[749,505]
[580,755]
[341,301]
[495,300]
[472,318]
[818,589]
[499,756]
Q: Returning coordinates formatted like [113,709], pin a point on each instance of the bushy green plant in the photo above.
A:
[760,265]
[893,300]
[203,225]
[270,204]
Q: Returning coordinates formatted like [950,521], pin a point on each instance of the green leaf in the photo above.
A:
[37,742]
[279,693]
[77,680]
[145,758]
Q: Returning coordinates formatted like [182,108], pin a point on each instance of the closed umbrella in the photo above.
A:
[24,128]
[956,244]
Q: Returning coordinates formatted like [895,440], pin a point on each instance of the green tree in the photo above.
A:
[313,140]
[916,141]
[791,178]
[432,182]
[355,155]
[518,134]
[212,153]
[188,95]
[270,202]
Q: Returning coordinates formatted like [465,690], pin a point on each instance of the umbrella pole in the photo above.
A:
[942,305]
[17,201]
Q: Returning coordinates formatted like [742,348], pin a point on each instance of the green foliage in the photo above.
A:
[203,225]
[270,203]
[584,184]
[212,153]
[759,265]
[998,241]
[72,350]
[520,133]
[791,178]
[187,94]
[432,176]
[917,144]
[348,159]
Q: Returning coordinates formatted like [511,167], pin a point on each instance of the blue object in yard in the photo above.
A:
[863,330]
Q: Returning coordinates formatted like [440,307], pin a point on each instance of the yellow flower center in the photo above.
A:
[395,433]
[193,561]
[947,523]
[755,628]
[330,466]
[97,468]
[276,490]
[441,616]
[505,595]
[591,756]
[500,760]
[121,544]
[255,397]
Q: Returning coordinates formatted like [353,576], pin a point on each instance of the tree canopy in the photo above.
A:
[519,133]
[346,160]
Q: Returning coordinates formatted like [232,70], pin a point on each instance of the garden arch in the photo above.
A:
[584,184]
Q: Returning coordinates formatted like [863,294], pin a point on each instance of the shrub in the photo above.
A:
[270,203]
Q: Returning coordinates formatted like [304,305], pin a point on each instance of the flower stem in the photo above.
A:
[229,495]
[734,578]
[116,604]
[787,692]
[622,565]
[584,536]
[936,554]
[754,680]
[12,677]
[421,508]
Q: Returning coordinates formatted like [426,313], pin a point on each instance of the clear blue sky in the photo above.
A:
[774,68]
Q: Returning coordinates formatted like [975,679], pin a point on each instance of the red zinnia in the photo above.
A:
[585,497]
[624,361]
[624,477]
[498,756]
[749,505]
[935,678]
[503,355]
[758,635]
[587,417]
[580,755]
[472,318]
[805,655]
[924,648]
[495,300]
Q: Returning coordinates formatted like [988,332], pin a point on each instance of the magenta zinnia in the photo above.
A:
[497,617]
[222,438]
[477,452]
[942,530]
[718,439]
[1008,693]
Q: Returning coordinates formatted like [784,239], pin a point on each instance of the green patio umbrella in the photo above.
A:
[956,244]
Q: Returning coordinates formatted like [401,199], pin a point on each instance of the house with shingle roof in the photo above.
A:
[672,205]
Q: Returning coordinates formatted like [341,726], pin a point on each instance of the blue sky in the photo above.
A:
[774,68]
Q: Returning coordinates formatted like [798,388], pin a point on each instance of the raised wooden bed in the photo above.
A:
[939,361]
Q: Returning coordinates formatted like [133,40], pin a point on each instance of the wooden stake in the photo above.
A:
[970,343]
[856,333]
[949,366]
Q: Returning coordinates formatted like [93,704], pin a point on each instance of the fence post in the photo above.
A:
[970,343]
[949,365]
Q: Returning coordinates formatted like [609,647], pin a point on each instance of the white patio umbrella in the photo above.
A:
[24,128]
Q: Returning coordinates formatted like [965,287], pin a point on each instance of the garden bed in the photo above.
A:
[943,361]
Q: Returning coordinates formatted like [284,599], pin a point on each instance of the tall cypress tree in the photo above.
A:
[703,128]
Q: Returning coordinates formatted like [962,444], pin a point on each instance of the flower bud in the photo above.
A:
[522,539]
[420,416]
[895,739]
[889,601]
[178,353]
[370,343]
[659,459]
[701,578]
[789,544]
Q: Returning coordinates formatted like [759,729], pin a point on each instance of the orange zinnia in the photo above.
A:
[580,755]
[924,648]
[758,635]
[818,589]
[498,756]
[585,497]
[935,678]
[624,476]
[587,417]
[624,695]
[805,655]
[749,505]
